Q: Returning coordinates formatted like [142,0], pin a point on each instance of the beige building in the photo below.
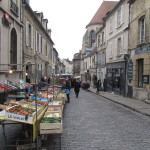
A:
[117,46]
[101,54]
[89,63]
[38,45]
[68,66]
[139,39]
[11,40]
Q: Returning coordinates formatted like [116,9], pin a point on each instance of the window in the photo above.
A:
[142,30]
[140,72]
[14,7]
[110,25]
[41,45]
[29,35]
[102,37]
[37,39]
[13,49]
[98,40]
[119,46]
[119,17]
[46,52]
[93,37]
[111,51]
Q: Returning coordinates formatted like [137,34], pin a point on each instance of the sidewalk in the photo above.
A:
[139,106]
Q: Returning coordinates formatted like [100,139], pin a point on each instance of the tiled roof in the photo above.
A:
[104,8]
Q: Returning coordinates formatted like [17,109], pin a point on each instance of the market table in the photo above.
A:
[35,123]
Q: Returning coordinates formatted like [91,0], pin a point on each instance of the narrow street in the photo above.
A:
[95,123]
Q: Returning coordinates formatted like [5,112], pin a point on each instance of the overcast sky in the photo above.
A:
[67,19]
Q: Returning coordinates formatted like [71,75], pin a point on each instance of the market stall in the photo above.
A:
[43,112]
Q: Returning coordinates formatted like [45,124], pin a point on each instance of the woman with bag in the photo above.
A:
[67,87]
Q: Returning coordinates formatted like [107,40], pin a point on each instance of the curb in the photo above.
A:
[131,108]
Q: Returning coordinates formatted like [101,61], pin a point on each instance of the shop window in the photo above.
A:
[140,72]
[142,30]
[13,49]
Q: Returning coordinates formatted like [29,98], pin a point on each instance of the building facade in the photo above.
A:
[89,43]
[117,46]
[68,66]
[37,46]
[11,40]
[139,46]
[76,64]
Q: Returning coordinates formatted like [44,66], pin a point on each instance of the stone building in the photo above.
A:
[117,47]
[68,66]
[89,64]
[76,64]
[11,40]
[101,54]
[38,45]
[139,46]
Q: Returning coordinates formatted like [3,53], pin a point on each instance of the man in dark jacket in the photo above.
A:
[77,88]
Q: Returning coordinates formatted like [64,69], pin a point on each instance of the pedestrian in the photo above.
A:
[97,87]
[105,84]
[67,87]
[77,88]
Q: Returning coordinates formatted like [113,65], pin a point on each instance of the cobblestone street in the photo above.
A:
[95,123]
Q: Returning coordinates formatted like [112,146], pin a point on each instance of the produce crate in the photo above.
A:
[20,117]
[55,108]
[51,128]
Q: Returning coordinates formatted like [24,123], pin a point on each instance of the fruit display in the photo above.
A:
[21,110]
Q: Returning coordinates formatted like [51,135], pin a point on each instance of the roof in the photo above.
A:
[104,8]
[77,57]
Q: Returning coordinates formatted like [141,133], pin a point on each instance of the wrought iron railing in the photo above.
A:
[14,7]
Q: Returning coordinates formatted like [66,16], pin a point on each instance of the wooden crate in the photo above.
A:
[51,128]
[55,108]
[20,117]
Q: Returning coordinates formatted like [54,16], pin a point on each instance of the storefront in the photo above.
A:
[116,77]
[141,72]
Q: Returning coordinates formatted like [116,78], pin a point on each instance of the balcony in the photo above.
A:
[14,8]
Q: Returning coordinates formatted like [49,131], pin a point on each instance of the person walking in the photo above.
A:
[68,87]
[97,87]
[77,88]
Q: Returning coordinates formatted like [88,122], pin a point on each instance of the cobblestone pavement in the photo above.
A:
[92,122]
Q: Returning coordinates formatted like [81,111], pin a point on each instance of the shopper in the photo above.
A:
[97,87]
[67,87]
[77,88]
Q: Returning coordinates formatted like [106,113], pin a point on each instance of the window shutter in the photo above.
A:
[27,32]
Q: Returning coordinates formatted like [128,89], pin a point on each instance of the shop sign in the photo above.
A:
[143,50]
[5,19]
[130,69]
[145,78]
